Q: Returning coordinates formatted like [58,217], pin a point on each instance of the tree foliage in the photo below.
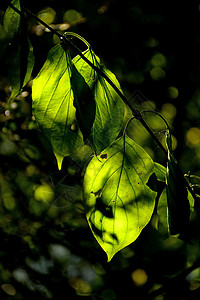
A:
[114,180]
[81,100]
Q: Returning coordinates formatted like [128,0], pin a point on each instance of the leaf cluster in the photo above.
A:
[77,101]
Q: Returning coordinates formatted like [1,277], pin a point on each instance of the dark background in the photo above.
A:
[46,248]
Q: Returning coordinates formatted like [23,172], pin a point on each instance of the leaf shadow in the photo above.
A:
[84,102]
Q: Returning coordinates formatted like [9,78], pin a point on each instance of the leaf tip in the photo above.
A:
[109,257]
[59,159]
[110,254]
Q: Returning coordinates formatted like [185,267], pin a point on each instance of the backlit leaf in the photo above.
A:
[109,106]
[162,211]
[53,104]
[177,195]
[118,201]
[160,172]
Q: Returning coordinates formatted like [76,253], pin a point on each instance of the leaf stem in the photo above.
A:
[157,113]
[135,112]
[67,33]
[127,124]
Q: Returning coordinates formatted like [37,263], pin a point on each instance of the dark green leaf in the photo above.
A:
[118,201]
[163,213]
[83,101]
[194,183]
[20,59]
[109,107]
[20,64]
[11,19]
[177,195]
[53,104]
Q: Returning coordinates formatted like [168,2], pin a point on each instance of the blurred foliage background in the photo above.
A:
[46,248]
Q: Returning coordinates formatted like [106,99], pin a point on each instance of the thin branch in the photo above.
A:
[135,112]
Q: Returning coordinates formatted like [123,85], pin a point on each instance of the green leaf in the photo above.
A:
[160,172]
[118,201]
[20,64]
[53,104]
[20,59]
[11,20]
[194,183]
[162,211]
[177,196]
[83,101]
[109,107]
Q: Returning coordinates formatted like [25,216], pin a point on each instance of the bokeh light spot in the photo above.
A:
[81,287]
[8,201]
[157,73]
[159,60]
[71,16]
[8,289]
[139,277]
[44,193]
[172,92]
[47,15]
[7,147]
[102,9]
[193,137]
[64,26]
[168,111]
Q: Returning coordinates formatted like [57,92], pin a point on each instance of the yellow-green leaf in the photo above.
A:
[53,104]
[109,107]
[160,172]
[118,200]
